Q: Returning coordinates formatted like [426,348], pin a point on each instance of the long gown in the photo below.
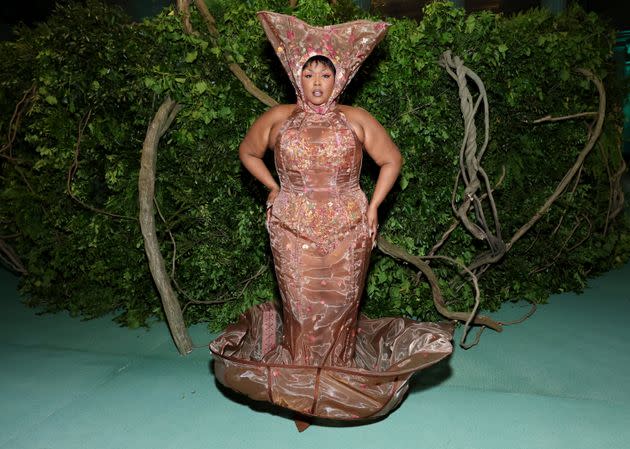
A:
[316,355]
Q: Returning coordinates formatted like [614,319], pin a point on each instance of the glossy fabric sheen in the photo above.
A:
[315,355]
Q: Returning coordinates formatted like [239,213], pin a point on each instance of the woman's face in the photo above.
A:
[317,83]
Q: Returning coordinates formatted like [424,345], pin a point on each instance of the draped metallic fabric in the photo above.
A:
[316,356]
[346,45]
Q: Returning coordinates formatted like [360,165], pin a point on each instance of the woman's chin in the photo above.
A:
[317,101]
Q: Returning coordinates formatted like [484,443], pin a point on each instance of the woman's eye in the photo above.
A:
[327,75]
[308,76]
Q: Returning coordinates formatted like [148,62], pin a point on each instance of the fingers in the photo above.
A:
[374,233]
[272,197]
[270,200]
[372,221]
[268,217]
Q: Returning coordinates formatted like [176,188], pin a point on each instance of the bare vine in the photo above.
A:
[470,162]
[576,167]
[477,210]
[549,118]
[477,189]
[146,189]
[184,9]
[146,195]
[616,200]
[438,300]
[14,124]
[8,256]
[471,172]
[565,244]
[75,166]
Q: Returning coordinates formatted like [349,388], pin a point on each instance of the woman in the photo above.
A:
[317,82]
[317,357]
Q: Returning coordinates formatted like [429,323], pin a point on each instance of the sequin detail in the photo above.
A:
[326,361]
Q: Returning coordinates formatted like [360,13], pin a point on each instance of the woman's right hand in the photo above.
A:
[270,200]
[372,217]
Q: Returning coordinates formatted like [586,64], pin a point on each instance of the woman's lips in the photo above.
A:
[317,93]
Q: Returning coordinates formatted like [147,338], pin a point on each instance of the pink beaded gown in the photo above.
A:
[317,356]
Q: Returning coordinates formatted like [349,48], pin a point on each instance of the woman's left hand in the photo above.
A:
[270,199]
[372,218]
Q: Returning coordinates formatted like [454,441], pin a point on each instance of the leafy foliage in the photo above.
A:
[92,67]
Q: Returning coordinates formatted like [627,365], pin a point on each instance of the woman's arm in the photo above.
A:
[384,151]
[256,142]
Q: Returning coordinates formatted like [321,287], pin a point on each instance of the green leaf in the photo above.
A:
[471,22]
[93,59]
[191,57]
[200,87]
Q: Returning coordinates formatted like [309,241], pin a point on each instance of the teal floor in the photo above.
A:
[559,380]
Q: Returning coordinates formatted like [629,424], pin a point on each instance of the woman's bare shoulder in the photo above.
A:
[355,113]
[279,112]
[277,115]
[359,119]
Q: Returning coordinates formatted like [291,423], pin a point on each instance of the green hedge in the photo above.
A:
[99,79]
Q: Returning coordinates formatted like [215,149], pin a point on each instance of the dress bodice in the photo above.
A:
[318,158]
[316,355]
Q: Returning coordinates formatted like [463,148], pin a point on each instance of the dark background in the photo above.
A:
[616,11]
[29,12]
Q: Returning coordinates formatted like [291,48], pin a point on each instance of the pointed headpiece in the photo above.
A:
[347,45]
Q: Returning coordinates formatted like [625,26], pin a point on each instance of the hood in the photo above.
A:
[347,45]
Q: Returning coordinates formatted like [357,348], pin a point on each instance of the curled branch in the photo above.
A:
[146,194]
[183,8]
[616,198]
[248,84]
[438,300]
[455,223]
[578,163]
[577,224]
[16,118]
[482,261]
[471,172]
[549,118]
